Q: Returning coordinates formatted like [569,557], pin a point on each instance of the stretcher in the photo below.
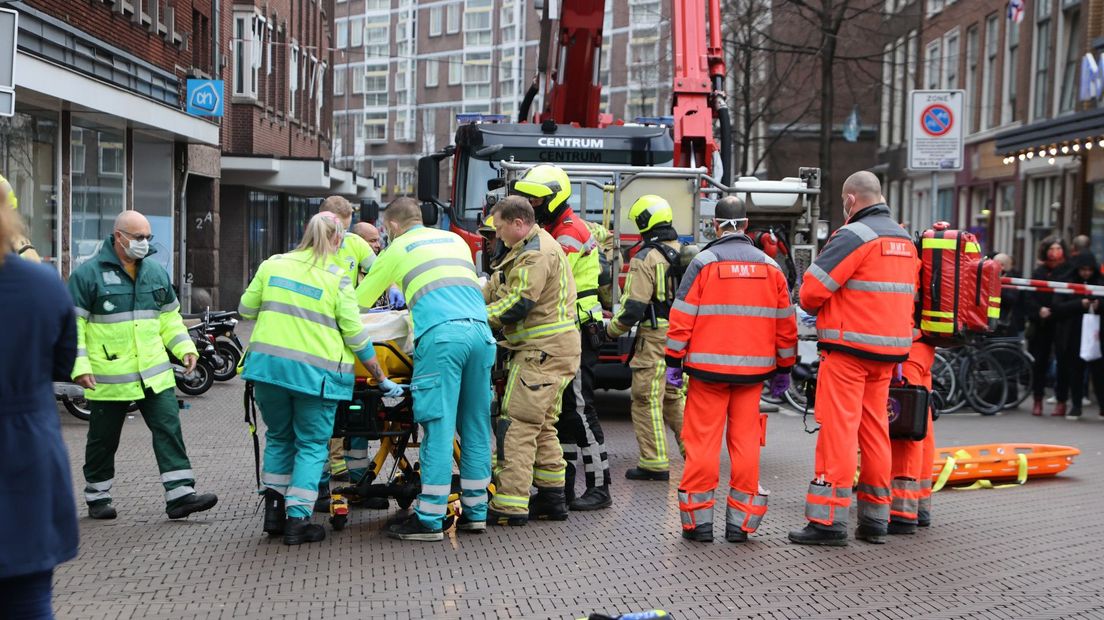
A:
[979,465]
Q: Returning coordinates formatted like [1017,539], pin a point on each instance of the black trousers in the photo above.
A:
[1041,346]
[578,427]
[1077,368]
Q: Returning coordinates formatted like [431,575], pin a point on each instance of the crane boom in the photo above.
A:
[698,70]
[575,95]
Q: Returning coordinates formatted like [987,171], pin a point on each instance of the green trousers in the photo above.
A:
[162,415]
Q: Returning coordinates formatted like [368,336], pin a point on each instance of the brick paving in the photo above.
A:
[1026,552]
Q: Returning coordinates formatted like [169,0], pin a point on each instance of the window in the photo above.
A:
[1042,59]
[99,194]
[950,61]
[989,70]
[377,5]
[934,6]
[971,78]
[77,153]
[356,32]
[342,34]
[1011,73]
[644,12]
[375,126]
[435,21]
[477,75]
[29,159]
[246,48]
[900,60]
[377,40]
[452,13]
[477,23]
[406,181]
[887,95]
[932,73]
[339,81]
[293,77]
[432,72]
[912,62]
[1072,39]
[508,20]
[455,71]
[1005,219]
[356,79]
[375,85]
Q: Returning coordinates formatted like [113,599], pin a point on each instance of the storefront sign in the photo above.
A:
[935,130]
[9,28]
[1092,78]
[205,97]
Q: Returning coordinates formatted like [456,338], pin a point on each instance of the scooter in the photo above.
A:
[220,326]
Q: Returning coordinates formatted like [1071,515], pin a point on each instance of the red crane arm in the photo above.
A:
[698,83]
[575,94]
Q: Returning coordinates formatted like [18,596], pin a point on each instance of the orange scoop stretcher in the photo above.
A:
[977,466]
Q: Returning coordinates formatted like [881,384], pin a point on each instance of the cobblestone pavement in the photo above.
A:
[1028,552]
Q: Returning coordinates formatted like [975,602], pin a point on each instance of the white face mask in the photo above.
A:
[138,249]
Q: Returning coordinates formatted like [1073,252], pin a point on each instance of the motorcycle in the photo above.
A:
[202,376]
[220,326]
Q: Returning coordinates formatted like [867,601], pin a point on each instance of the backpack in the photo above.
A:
[959,290]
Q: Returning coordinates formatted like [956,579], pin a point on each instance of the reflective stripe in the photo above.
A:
[828,334]
[475,485]
[732,310]
[433,264]
[695,498]
[431,508]
[514,501]
[100,486]
[881,341]
[247,312]
[881,287]
[862,231]
[280,479]
[82,352]
[169,307]
[81,312]
[180,474]
[822,276]
[473,500]
[548,476]
[345,281]
[936,314]
[436,489]
[299,313]
[547,329]
[98,495]
[134,377]
[299,356]
[179,338]
[358,341]
[790,352]
[676,345]
[123,317]
[705,257]
[442,283]
[872,511]
[938,244]
[872,491]
[570,242]
[753,361]
[302,494]
[685,306]
[178,492]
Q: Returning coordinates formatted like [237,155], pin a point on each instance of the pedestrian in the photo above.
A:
[531,300]
[1081,244]
[650,289]
[1069,310]
[18,241]
[127,317]
[453,355]
[548,189]
[1011,321]
[911,467]
[861,288]
[727,374]
[1041,324]
[300,360]
[39,346]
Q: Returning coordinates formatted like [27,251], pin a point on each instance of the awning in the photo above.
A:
[1058,136]
[309,177]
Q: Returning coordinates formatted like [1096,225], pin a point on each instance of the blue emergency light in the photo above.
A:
[477,117]
[665,121]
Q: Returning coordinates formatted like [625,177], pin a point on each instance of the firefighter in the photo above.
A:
[548,189]
[453,354]
[646,302]
[860,288]
[127,316]
[531,299]
[21,245]
[727,374]
[912,460]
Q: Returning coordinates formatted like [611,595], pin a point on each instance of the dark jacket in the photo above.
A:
[1068,309]
[1043,329]
[38,530]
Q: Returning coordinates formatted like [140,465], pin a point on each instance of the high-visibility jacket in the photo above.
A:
[435,270]
[308,326]
[124,325]
[732,320]
[531,297]
[581,249]
[645,287]
[861,287]
[354,257]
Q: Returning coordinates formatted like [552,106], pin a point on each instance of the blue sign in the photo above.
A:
[205,97]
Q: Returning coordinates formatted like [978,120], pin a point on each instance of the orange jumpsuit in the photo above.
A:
[861,287]
[912,460]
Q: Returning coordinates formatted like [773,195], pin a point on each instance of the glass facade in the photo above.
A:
[29,160]
[153,194]
[99,185]
[264,228]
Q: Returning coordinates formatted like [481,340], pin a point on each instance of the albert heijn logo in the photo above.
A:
[205,97]
[743,270]
[897,248]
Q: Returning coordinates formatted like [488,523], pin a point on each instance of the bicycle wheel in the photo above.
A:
[946,370]
[984,382]
[1018,366]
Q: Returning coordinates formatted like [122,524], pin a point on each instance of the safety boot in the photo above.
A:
[871,534]
[103,510]
[299,530]
[512,519]
[638,473]
[901,528]
[274,513]
[191,503]
[734,533]
[700,533]
[569,483]
[322,504]
[467,524]
[813,534]
[594,498]
[548,505]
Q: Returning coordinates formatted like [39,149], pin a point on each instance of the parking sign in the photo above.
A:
[205,97]
[935,130]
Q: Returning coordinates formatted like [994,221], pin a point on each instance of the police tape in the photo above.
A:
[1047,286]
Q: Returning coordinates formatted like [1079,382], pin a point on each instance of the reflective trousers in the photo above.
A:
[297,437]
[529,452]
[851,398]
[451,387]
[655,405]
[578,427]
[912,460]
[709,406]
[161,413]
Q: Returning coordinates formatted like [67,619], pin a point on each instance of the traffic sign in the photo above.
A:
[205,97]
[9,31]
[935,130]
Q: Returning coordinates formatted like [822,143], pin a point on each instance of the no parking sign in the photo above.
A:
[935,130]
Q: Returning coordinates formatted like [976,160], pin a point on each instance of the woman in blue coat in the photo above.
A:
[38,531]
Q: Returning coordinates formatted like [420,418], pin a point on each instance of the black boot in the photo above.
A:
[274,513]
[901,528]
[322,504]
[735,534]
[513,519]
[191,503]
[701,533]
[594,498]
[569,483]
[102,510]
[548,505]
[412,528]
[299,530]
[637,473]
[813,534]
[871,534]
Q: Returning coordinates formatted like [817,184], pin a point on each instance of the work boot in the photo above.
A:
[594,498]
[1059,410]
[812,534]
[871,534]
[191,503]
[734,533]
[103,510]
[923,520]
[322,504]
[1037,408]
[548,505]
[639,473]
[700,533]
[274,513]
[901,528]
[1074,413]
[569,483]
[514,519]
[466,524]
[299,530]
[412,528]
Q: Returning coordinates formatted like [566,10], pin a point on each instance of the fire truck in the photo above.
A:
[683,157]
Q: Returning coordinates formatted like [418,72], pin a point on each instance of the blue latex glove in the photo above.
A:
[390,388]
[806,319]
[674,377]
[395,298]
[778,385]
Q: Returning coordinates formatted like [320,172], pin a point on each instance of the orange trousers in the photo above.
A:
[912,460]
[709,406]
[851,398]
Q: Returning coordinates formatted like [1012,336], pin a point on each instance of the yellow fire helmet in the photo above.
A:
[549,183]
[8,193]
[650,211]
[487,228]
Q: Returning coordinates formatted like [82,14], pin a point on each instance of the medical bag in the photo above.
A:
[908,412]
[959,290]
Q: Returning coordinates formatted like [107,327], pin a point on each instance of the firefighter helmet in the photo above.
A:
[548,183]
[650,211]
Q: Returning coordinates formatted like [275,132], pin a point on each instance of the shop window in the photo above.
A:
[97,197]
[28,159]
[264,228]
[111,159]
[153,194]
[299,212]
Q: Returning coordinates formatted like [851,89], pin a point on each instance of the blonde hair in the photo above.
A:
[11,230]
[322,236]
[337,205]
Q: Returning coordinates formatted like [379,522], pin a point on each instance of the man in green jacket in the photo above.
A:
[127,316]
